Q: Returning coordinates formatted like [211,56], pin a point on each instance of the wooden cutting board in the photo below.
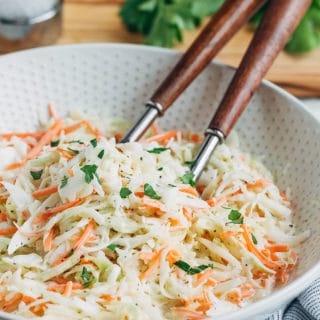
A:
[99,21]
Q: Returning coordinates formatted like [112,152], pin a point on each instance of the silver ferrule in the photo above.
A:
[212,138]
[152,111]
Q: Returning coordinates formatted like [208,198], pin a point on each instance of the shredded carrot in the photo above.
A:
[83,123]
[252,248]
[107,297]
[9,231]
[247,291]
[154,205]
[163,137]
[187,213]
[260,183]
[12,304]
[118,136]
[45,215]
[279,248]
[45,192]
[139,194]
[217,202]
[70,172]
[8,136]
[28,299]
[52,112]
[68,289]
[234,297]
[202,277]
[45,139]
[14,166]
[229,233]
[64,153]
[189,190]
[3,198]
[173,256]
[189,313]
[211,283]
[154,264]
[59,280]
[47,245]
[147,256]
[62,287]
[194,137]
[78,244]
[27,234]
[174,222]
[3,217]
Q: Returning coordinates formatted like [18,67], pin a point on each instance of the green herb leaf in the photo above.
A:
[190,270]
[172,185]
[112,247]
[189,163]
[188,179]
[235,217]
[85,274]
[71,252]
[64,182]
[94,142]
[254,239]
[74,151]
[160,169]
[149,191]
[125,192]
[89,171]
[89,283]
[158,150]
[101,154]
[76,141]
[36,175]
[54,143]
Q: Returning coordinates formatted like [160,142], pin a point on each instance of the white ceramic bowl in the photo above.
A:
[119,79]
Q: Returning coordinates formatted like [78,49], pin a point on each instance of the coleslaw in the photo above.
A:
[92,229]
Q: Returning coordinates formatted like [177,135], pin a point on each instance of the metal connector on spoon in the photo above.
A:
[153,111]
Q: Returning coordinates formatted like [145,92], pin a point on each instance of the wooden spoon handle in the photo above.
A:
[279,21]
[219,30]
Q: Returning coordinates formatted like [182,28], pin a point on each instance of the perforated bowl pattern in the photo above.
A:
[118,79]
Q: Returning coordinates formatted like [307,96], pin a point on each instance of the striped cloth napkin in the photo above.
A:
[305,307]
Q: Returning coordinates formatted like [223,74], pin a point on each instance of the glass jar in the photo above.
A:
[29,23]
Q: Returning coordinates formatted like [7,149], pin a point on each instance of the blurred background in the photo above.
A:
[297,69]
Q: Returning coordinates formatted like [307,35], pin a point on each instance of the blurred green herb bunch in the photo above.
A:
[162,21]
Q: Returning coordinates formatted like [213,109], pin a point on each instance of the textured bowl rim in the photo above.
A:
[280,297]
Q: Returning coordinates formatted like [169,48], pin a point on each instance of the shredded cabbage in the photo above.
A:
[92,229]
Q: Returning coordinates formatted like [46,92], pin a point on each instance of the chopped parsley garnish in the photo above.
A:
[125,192]
[158,150]
[94,142]
[90,283]
[64,182]
[71,252]
[74,151]
[149,191]
[90,172]
[90,280]
[235,217]
[54,143]
[160,169]
[36,175]
[190,163]
[85,274]
[171,185]
[76,141]
[254,239]
[112,247]
[101,154]
[190,270]
[188,179]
